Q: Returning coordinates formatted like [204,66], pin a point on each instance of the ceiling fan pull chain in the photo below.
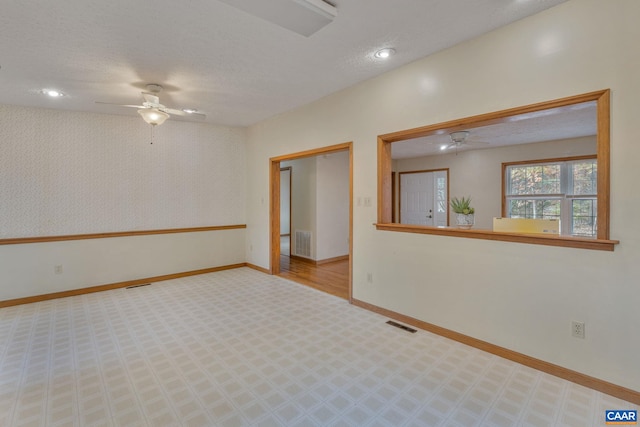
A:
[152,134]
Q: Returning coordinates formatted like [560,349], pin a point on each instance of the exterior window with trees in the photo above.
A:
[563,189]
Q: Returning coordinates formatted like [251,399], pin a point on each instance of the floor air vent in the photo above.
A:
[137,286]
[398,325]
[303,243]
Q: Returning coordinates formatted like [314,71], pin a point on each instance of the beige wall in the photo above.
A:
[519,296]
[478,173]
[303,199]
[70,173]
[332,201]
[28,269]
[73,173]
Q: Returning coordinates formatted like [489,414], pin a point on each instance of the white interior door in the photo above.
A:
[423,198]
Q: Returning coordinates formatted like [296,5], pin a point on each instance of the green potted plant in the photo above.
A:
[464,212]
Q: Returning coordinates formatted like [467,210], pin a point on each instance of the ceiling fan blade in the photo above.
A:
[120,105]
[151,98]
[172,111]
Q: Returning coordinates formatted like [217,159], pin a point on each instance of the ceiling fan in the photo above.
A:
[152,111]
[459,139]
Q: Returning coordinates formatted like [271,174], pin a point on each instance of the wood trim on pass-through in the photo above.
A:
[603,241]
[536,239]
[606,387]
[43,239]
[604,159]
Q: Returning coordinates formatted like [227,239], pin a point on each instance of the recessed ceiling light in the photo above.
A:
[384,53]
[52,93]
[190,110]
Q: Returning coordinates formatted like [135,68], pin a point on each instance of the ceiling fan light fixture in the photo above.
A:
[459,136]
[153,116]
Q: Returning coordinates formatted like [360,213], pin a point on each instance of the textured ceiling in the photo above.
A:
[236,68]
[553,124]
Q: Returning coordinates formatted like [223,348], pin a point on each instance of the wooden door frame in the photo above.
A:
[274,203]
[290,169]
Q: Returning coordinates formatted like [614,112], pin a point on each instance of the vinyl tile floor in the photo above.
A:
[241,348]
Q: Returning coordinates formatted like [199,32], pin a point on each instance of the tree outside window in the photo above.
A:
[564,190]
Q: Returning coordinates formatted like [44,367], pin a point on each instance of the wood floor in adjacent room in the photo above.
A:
[332,277]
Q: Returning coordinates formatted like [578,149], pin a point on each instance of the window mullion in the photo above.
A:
[566,182]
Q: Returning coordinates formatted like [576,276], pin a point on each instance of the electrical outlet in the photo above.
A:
[57,269]
[577,329]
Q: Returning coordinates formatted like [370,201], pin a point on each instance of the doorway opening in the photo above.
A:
[285,210]
[312,250]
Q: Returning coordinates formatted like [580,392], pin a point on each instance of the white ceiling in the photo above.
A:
[234,67]
[573,121]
